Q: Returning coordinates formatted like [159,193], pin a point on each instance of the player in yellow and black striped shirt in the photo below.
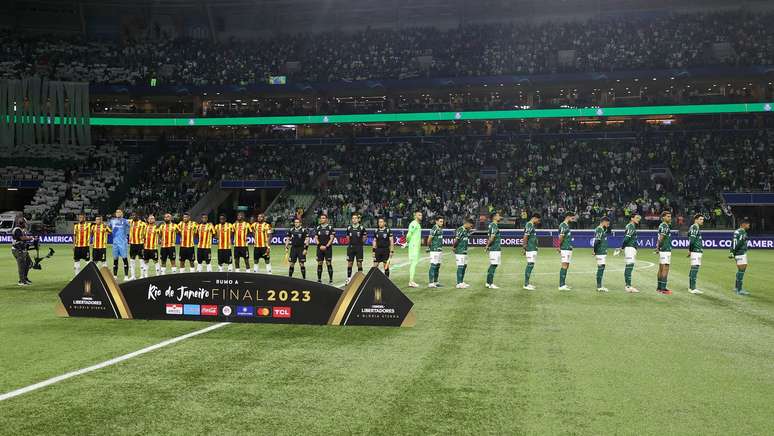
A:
[136,241]
[262,235]
[99,232]
[187,230]
[241,229]
[204,232]
[224,232]
[81,235]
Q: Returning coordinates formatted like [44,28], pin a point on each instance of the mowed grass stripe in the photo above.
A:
[526,363]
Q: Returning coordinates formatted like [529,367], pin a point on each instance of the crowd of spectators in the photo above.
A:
[603,44]
[181,175]
[680,172]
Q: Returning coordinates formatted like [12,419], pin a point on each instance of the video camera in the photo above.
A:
[34,245]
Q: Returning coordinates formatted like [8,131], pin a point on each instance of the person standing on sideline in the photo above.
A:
[530,248]
[435,242]
[414,243]
[695,252]
[19,250]
[739,253]
[664,251]
[565,248]
[600,250]
[119,227]
[493,249]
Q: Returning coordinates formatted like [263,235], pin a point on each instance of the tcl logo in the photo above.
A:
[281,312]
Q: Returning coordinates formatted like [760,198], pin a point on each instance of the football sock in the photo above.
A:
[490,274]
[628,273]
[528,272]
[600,273]
[692,276]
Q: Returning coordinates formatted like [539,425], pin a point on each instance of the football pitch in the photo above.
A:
[478,361]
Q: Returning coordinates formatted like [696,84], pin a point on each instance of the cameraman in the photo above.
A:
[21,242]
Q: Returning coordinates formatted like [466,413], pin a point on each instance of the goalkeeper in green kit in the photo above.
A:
[414,243]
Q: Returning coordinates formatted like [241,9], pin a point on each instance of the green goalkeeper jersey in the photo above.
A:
[414,236]
[739,243]
[564,230]
[530,237]
[666,237]
[694,239]
[461,235]
[436,238]
[600,241]
[494,234]
[630,237]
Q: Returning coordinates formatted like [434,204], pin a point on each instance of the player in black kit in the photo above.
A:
[357,236]
[324,234]
[383,246]
[297,243]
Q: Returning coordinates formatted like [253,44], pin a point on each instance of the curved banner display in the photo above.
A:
[370,299]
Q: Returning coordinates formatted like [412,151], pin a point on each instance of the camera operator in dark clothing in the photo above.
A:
[21,243]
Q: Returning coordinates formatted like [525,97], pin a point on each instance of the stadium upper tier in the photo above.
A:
[676,41]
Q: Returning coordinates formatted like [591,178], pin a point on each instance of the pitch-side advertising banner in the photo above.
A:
[510,238]
[370,299]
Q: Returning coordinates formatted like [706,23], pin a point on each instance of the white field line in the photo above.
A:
[119,359]
[113,361]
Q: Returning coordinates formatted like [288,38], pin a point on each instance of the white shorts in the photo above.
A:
[741,259]
[435,256]
[696,258]
[601,259]
[494,257]
[531,256]
[461,259]
[566,256]
[664,257]
[630,254]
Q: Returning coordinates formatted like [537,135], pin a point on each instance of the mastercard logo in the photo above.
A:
[263,311]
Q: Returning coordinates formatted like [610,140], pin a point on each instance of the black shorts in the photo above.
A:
[355,252]
[80,253]
[98,254]
[148,255]
[297,254]
[224,256]
[204,255]
[241,253]
[381,254]
[168,253]
[261,253]
[325,255]
[186,253]
[135,251]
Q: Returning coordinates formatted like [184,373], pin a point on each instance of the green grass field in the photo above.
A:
[479,361]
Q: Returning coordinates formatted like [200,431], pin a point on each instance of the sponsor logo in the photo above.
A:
[281,312]
[245,311]
[226,310]
[191,309]
[174,309]
[262,311]
[209,310]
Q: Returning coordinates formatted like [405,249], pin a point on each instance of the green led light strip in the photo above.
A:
[434,116]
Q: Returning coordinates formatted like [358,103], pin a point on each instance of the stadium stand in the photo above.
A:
[652,172]
[612,44]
